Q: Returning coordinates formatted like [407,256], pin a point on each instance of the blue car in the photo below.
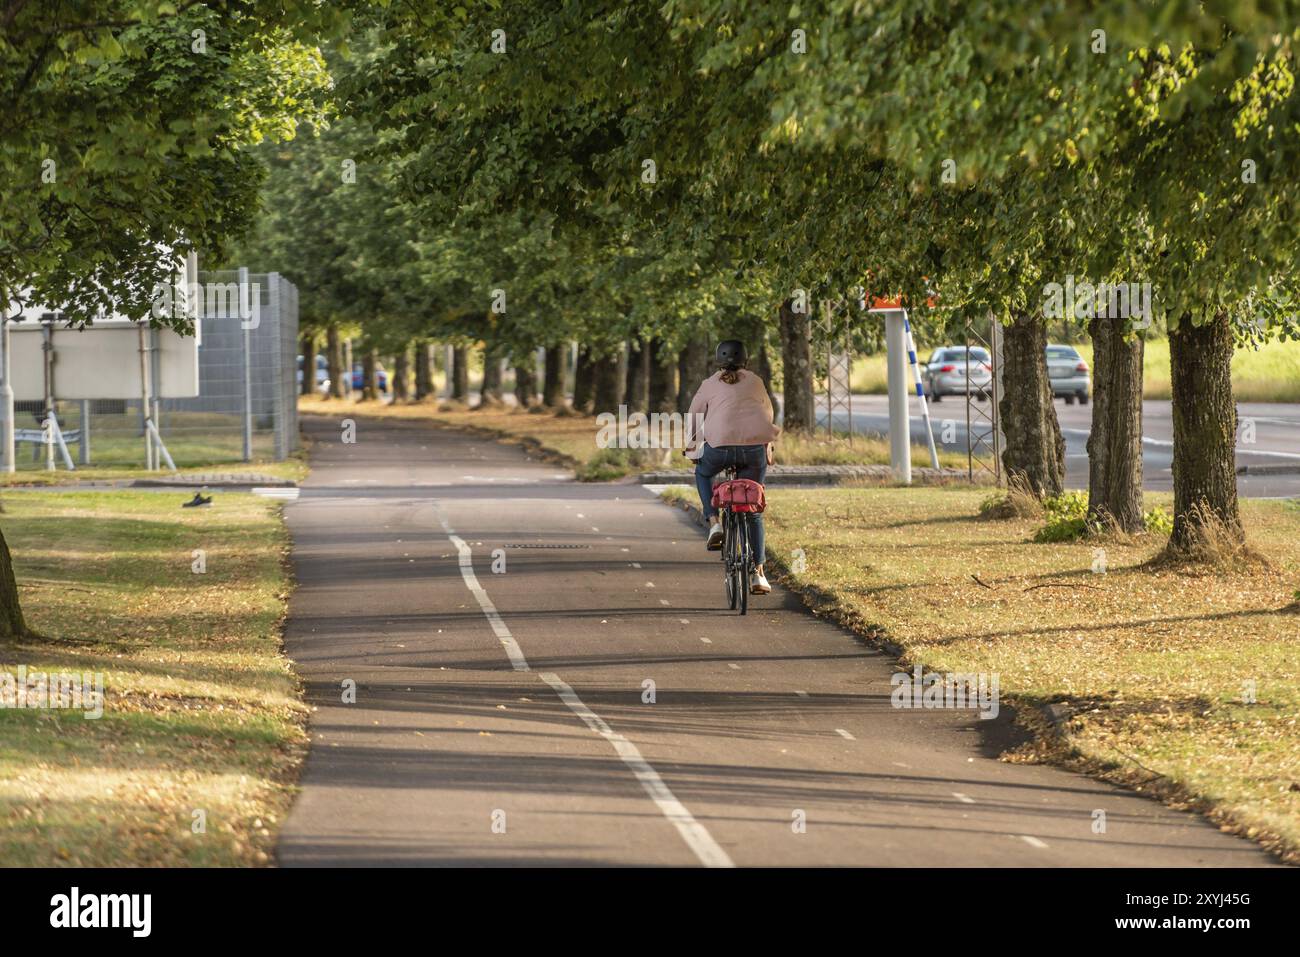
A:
[381,378]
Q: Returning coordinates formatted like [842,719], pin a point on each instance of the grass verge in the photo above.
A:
[293,469]
[1155,666]
[201,709]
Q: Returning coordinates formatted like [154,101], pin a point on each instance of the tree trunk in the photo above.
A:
[460,373]
[584,381]
[663,377]
[638,376]
[692,369]
[369,381]
[401,385]
[607,383]
[423,371]
[763,369]
[797,370]
[622,373]
[12,625]
[1205,432]
[525,379]
[334,356]
[1115,440]
[490,393]
[553,377]
[308,386]
[1035,451]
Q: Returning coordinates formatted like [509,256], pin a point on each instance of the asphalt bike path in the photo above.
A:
[545,673]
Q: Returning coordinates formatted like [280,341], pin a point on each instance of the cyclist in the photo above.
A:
[730,424]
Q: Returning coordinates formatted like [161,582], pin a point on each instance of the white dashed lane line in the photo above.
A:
[695,834]
[513,651]
[691,830]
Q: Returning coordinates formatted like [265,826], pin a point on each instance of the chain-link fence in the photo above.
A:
[246,409]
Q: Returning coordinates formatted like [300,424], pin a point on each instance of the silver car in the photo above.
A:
[1068,374]
[945,373]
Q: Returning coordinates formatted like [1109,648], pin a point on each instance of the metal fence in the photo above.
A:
[246,409]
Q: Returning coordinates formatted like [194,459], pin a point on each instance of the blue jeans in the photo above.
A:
[751,462]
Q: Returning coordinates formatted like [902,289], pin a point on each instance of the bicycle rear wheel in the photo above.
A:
[742,562]
[729,541]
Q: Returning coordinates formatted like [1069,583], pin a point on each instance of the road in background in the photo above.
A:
[1276,438]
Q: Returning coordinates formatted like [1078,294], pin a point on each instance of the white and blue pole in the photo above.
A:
[920,390]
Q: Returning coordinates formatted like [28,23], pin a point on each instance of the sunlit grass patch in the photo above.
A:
[201,708]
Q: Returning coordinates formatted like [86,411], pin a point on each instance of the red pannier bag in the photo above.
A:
[740,495]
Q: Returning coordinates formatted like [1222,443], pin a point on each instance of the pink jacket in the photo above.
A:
[723,414]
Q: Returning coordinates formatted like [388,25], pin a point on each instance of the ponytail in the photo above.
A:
[730,376]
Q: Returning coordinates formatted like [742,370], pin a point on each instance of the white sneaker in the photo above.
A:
[714,544]
[758,584]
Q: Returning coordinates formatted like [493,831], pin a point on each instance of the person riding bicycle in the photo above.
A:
[730,425]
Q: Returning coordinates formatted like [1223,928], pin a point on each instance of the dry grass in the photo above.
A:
[1155,662]
[572,438]
[1017,501]
[201,711]
[1212,543]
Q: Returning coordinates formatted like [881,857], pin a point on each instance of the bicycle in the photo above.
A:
[737,552]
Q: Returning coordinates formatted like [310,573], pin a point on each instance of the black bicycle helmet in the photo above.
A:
[731,354]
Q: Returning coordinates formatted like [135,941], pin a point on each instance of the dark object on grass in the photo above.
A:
[198,500]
